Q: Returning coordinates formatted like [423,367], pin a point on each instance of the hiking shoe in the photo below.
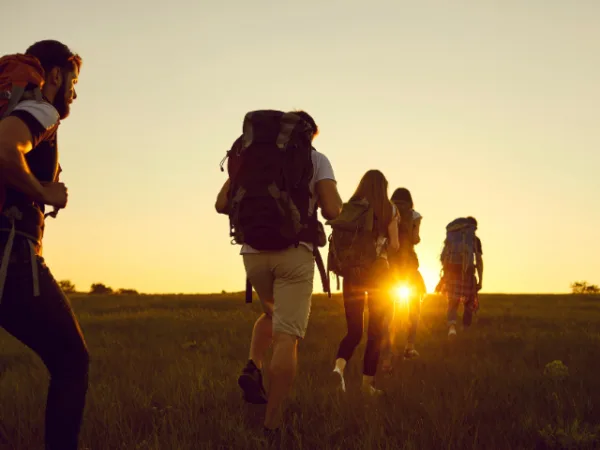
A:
[339,380]
[251,383]
[410,353]
[387,365]
[452,331]
[369,389]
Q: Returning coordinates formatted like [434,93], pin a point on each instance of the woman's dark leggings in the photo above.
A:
[354,305]
[47,325]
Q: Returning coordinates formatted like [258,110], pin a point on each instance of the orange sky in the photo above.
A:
[480,108]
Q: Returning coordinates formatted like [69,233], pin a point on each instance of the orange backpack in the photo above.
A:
[18,72]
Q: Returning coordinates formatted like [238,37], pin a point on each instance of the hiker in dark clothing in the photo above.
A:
[461,258]
[358,289]
[33,307]
[404,265]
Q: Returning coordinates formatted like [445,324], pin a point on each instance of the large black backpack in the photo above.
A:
[270,169]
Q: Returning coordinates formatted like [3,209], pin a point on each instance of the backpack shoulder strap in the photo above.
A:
[44,112]
[355,214]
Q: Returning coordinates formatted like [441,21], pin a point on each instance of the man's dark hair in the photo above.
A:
[308,118]
[53,53]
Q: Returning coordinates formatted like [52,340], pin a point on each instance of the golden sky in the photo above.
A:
[480,108]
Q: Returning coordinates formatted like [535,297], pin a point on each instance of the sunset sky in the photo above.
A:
[483,108]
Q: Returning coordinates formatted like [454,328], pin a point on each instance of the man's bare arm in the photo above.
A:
[221,204]
[329,198]
[15,142]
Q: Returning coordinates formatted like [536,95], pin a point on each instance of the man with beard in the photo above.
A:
[33,308]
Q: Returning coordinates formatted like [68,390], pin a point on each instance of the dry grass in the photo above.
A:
[164,369]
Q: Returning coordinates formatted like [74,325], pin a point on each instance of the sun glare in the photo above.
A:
[402,293]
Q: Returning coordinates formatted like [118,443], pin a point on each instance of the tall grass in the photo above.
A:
[164,370]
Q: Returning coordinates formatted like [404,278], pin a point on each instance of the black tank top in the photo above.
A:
[43,163]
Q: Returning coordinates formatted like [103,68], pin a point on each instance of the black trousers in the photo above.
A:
[47,325]
[354,306]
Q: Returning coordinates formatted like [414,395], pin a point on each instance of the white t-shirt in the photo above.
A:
[322,170]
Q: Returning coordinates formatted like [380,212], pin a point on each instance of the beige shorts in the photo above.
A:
[284,283]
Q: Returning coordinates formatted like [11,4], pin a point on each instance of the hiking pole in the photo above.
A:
[321,267]
[248,291]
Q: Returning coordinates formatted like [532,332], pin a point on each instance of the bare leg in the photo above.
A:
[262,335]
[251,380]
[282,372]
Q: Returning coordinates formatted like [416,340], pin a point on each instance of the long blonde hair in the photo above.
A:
[373,187]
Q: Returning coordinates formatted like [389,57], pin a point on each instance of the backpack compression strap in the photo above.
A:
[14,214]
[317,254]
[322,273]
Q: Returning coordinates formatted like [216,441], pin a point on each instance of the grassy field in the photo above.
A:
[164,370]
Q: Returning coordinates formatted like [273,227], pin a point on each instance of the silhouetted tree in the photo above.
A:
[593,289]
[99,288]
[67,286]
[583,287]
[127,292]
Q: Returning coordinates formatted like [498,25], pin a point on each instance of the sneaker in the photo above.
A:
[410,353]
[340,383]
[452,331]
[387,365]
[251,383]
[369,389]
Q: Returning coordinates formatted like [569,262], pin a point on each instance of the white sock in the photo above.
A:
[340,365]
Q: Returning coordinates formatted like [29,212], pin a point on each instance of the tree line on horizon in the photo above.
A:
[96,289]
[577,287]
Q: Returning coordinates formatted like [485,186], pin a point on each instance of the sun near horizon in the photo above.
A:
[488,110]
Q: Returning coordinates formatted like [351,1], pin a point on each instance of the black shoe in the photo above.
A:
[251,383]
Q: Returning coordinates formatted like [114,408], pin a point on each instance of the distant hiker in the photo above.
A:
[277,180]
[461,256]
[361,236]
[36,92]
[405,268]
